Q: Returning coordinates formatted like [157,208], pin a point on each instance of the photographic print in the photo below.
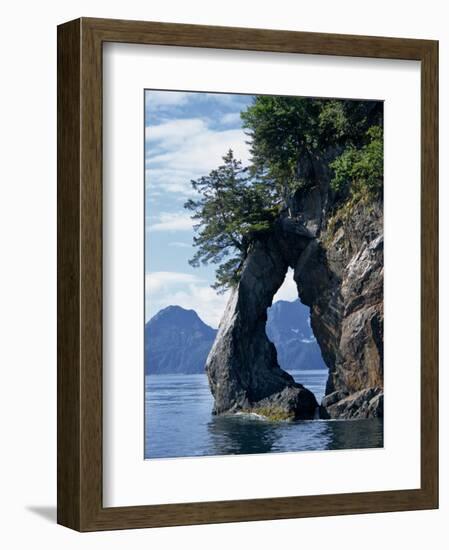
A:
[263,274]
[221,274]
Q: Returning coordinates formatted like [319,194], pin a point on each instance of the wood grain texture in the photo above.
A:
[429,271]
[69,408]
[80,274]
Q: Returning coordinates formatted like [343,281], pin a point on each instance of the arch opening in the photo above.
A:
[289,328]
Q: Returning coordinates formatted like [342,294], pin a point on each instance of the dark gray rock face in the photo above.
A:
[341,279]
[362,404]
[338,269]
[242,366]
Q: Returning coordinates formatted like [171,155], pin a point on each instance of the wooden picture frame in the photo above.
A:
[80,503]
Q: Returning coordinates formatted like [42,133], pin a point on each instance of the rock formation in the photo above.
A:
[347,312]
[242,366]
[177,341]
[337,258]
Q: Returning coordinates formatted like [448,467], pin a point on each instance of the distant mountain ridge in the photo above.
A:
[177,341]
[288,327]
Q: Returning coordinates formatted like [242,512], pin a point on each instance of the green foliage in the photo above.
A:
[232,209]
[280,129]
[290,134]
[359,171]
[289,137]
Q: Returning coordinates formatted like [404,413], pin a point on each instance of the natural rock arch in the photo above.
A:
[339,275]
[242,366]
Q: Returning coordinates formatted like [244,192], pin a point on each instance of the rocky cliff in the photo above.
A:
[336,253]
[242,366]
[341,278]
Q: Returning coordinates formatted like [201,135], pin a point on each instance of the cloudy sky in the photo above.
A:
[186,136]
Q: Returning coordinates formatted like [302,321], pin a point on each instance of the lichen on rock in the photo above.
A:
[338,270]
[318,209]
[242,366]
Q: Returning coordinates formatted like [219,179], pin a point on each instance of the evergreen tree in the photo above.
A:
[232,209]
[289,137]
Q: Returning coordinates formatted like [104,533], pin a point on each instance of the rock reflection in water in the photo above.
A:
[179,423]
[241,435]
[249,435]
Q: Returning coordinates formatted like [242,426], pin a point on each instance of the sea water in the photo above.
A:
[179,423]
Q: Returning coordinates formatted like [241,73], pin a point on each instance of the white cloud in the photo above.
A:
[226,99]
[231,118]
[158,280]
[174,132]
[168,288]
[184,149]
[168,180]
[165,98]
[203,151]
[169,98]
[171,221]
[288,290]
[165,288]
[180,244]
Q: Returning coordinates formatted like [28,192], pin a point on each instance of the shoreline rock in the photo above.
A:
[337,259]
[242,365]
[362,404]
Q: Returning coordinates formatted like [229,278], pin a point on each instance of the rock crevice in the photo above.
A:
[242,366]
[338,270]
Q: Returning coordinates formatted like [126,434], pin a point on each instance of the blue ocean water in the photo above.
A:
[179,423]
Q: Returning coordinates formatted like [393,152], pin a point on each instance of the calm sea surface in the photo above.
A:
[179,423]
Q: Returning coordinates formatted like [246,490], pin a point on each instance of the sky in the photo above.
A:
[186,136]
